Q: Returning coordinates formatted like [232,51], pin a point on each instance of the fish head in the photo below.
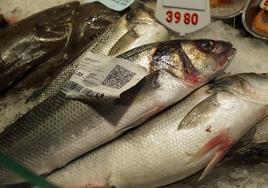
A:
[208,57]
[249,86]
[195,61]
[139,14]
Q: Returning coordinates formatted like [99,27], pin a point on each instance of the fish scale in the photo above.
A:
[167,149]
[146,145]
[104,43]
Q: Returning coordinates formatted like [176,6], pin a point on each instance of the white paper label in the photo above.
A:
[117,5]
[264,4]
[183,16]
[103,77]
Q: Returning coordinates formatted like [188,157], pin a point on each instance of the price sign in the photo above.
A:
[264,4]
[117,5]
[183,16]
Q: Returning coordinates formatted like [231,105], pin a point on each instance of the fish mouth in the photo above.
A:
[226,56]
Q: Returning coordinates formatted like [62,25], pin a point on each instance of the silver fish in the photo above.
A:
[190,136]
[59,129]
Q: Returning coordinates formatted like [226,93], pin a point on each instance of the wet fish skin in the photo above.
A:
[86,23]
[94,19]
[59,129]
[158,153]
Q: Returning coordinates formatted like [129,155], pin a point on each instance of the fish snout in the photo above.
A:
[224,53]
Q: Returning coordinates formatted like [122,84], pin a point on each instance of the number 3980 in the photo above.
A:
[177,17]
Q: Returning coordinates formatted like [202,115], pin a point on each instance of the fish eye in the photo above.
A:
[206,45]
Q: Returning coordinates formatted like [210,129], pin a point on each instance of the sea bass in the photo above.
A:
[49,44]
[192,135]
[59,129]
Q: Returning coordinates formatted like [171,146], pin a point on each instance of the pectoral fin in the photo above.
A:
[193,117]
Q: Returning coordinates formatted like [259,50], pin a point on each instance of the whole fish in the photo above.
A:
[31,72]
[192,135]
[59,129]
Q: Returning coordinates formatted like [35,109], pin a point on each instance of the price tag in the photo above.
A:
[264,4]
[117,5]
[99,76]
[183,16]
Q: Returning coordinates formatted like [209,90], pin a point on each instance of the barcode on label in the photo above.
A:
[81,89]
[103,77]
[117,78]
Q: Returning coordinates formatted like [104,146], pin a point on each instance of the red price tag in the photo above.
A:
[180,17]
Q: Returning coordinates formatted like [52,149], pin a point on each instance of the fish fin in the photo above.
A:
[194,115]
[214,161]
[141,118]
[221,143]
